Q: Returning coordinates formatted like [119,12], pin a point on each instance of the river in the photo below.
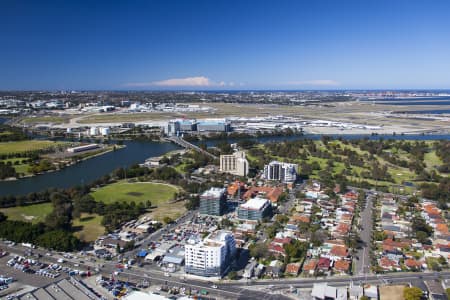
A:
[136,152]
[88,170]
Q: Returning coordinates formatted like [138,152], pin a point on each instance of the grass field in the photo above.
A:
[88,227]
[20,168]
[24,146]
[169,209]
[138,192]
[34,213]
[44,119]
[432,160]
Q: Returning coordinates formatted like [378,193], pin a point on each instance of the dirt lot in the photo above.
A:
[392,292]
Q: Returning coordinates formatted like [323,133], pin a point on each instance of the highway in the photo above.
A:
[185,144]
[255,289]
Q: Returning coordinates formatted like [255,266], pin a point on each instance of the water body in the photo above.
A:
[136,152]
[409,99]
[88,170]
[444,100]
[415,103]
[430,111]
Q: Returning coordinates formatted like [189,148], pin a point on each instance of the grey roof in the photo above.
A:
[72,290]
[173,259]
[64,290]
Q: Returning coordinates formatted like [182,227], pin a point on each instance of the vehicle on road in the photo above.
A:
[214,286]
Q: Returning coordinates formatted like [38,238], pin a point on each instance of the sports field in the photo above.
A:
[25,146]
[31,213]
[138,192]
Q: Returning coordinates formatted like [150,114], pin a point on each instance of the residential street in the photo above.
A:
[363,263]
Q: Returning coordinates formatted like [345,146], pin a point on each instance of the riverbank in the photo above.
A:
[78,159]
[87,171]
[138,151]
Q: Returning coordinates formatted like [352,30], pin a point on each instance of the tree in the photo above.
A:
[167,220]
[412,293]
[59,240]
[296,249]
[282,219]
[2,217]
[193,203]
[225,223]
[419,224]
[61,216]
[233,275]
[422,237]
[258,250]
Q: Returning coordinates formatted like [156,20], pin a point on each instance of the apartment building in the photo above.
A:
[235,164]
[213,202]
[211,257]
[281,171]
[255,209]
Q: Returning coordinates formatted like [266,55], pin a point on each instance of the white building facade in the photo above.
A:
[281,171]
[212,257]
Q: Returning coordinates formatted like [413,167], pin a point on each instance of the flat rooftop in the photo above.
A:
[214,192]
[256,203]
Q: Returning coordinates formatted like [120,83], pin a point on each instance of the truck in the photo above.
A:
[29,245]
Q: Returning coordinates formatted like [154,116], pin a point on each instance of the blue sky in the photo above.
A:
[229,44]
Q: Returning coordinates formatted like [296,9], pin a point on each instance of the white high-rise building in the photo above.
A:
[211,257]
[284,172]
[235,164]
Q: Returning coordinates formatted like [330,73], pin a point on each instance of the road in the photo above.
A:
[363,263]
[258,289]
[185,144]
[287,205]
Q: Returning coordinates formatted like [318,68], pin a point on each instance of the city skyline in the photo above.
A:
[201,45]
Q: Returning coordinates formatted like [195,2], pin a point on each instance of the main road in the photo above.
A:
[257,289]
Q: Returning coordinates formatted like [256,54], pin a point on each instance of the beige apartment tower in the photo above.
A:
[235,164]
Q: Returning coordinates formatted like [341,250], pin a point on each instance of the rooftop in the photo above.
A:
[256,203]
[214,192]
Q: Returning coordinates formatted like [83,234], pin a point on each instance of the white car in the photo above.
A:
[167,274]
[214,286]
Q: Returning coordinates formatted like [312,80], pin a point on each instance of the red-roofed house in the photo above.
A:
[413,264]
[339,252]
[293,268]
[388,264]
[342,229]
[323,264]
[235,187]
[310,266]
[301,218]
[276,246]
[342,266]
[271,193]
[351,196]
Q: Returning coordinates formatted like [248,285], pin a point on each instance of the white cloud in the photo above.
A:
[198,81]
[195,81]
[188,81]
[317,82]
